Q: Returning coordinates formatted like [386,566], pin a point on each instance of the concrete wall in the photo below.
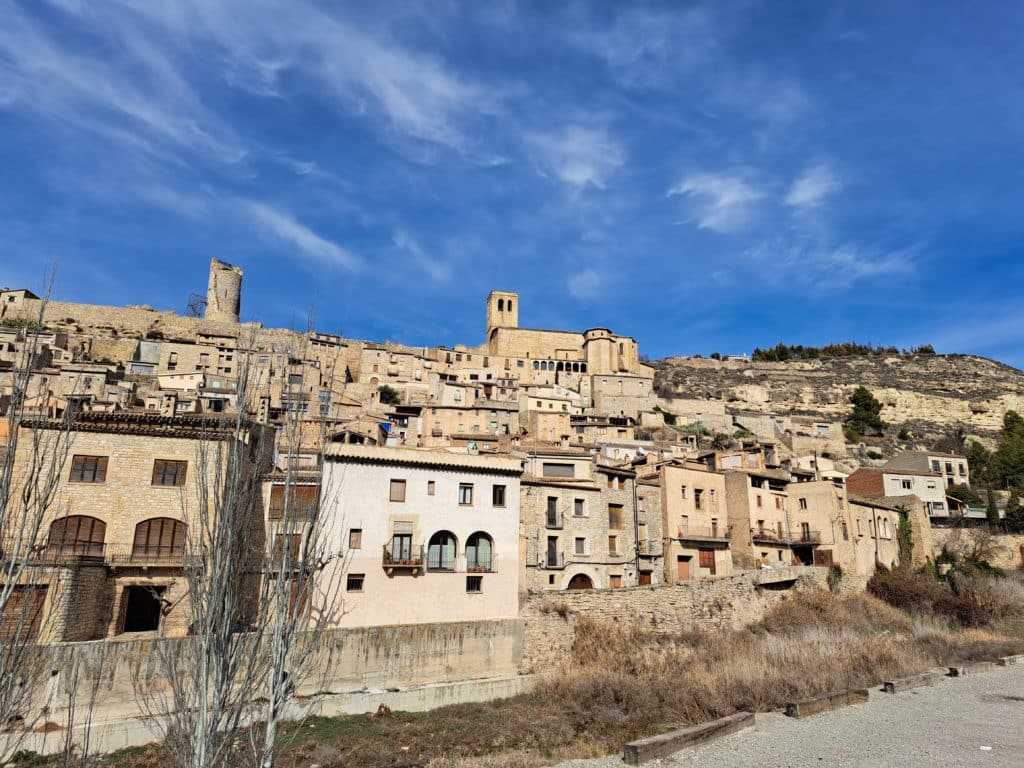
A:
[724,602]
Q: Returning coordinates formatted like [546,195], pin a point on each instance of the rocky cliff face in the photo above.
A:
[929,395]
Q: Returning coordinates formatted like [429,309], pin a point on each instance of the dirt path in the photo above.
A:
[974,721]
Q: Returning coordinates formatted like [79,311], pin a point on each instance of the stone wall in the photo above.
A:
[549,620]
[1007,554]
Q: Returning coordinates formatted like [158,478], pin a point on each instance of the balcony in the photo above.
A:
[64,554]
[554,520]
[554,560]
[410,561]
[767,536]
[710,533]
[295,511]
[649,548]
[146,557]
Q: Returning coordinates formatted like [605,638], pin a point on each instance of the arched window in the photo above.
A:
[77,535]
[159,538]
[583,367]
[441,552]
[536,365]
[501,305]
[561,367]
[480,552]
[510,305]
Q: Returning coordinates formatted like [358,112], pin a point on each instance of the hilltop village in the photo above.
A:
[450,483]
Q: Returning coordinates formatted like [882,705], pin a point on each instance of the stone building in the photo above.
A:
[114,546]
[579,524]
[695,521]
[421,536]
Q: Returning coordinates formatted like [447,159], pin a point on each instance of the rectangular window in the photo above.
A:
[949,467]
[760,503]
[354,582]
[707,559]
[580,546]
[935,465]
[698,498]
[355,538]
[498,495]
[803,503]
[398,490]
[906,484]
[431,487]
[613,545]
[615,516]
[550,469]
[960,469]
[166,472]
[88,469]
[615,580]
[465,494]
[474,583]
[683,488]
[577,507]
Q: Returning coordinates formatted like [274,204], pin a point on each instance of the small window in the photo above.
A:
[166,472]
[684,491]
[698,494]
[613,545]
[431,487]
[398,490]
[615,581]
[580,546]
[355,538]
[354,582]
[760,503]
[88,469]
[498,495]
[803,503]
[906,484]
[935,465]
[615,516]
[465,494]
[960,469]
[577,507]
[474,584]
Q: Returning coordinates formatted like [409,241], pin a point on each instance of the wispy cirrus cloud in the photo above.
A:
[437,269]
[723,201]
[813,186]
[578,155]
[585,284]
[283,227]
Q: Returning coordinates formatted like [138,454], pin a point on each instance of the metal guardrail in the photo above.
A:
[412,562]
[799,537]
[704,533]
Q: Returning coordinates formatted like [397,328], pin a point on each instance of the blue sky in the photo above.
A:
[704,177]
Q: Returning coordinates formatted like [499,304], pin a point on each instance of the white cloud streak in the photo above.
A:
[577,155]
[722,202]
[286,229]
[810,189]
[435,268]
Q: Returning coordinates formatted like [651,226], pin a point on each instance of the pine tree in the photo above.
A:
[1015,512]
[992,511]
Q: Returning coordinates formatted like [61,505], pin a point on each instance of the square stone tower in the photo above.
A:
[502,310]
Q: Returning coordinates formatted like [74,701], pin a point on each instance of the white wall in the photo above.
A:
[357,496]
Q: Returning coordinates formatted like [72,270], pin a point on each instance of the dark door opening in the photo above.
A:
[804,554]
[142,608]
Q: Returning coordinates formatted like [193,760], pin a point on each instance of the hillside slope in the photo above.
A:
[926,394]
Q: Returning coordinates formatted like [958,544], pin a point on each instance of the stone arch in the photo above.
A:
[480,552]
[581,581]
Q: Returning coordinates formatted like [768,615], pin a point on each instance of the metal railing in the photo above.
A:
[62,553]
[554,560]
[167,556]
[411,560]
[554,519]
[796,537]
[704,533]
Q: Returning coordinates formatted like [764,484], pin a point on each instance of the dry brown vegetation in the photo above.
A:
[625,681]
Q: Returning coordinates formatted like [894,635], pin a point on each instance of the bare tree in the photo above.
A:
[252,622]
[30,472]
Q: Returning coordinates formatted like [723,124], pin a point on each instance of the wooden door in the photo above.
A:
[645,578]
[683,567]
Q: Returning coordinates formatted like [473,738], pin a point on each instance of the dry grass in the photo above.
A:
[624,682]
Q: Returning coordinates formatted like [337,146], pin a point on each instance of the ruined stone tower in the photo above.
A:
[224,292]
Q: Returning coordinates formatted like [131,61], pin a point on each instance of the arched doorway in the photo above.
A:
[581,581]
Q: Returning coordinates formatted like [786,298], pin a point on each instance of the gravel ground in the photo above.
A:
[976,721]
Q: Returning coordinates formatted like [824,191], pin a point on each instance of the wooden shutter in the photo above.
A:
[24,611]
[823,557]
[707,559]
